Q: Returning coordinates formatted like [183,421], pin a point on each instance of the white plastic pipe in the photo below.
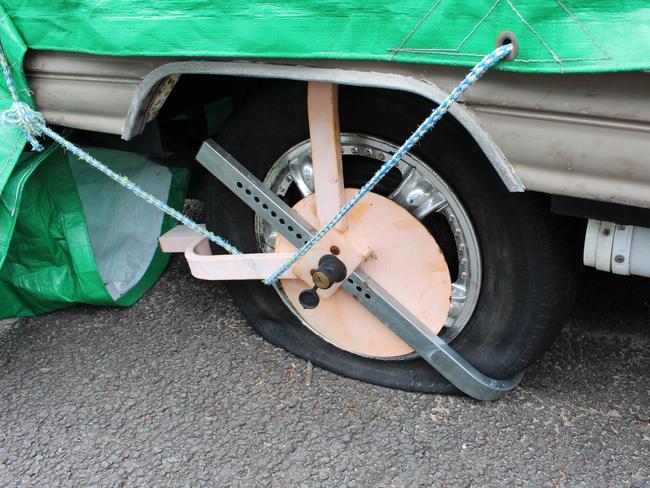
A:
[618,249]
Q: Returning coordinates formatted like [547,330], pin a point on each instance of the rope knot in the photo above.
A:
[30,121]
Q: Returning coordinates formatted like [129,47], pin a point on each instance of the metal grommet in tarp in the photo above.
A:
[509,37]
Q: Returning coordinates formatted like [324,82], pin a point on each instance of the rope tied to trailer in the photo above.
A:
[32,123]
[29,120]
[473,76]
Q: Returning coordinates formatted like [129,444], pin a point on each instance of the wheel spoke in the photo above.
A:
[269,239]
[418,195]
[302,173]
[458,299]
[322,107]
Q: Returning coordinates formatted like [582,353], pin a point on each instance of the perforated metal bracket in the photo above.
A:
[282,218]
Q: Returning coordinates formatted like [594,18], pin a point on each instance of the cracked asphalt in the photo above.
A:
[178,391]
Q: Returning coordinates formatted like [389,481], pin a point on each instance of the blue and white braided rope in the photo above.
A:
[33,125]
[479,70]
[20,114]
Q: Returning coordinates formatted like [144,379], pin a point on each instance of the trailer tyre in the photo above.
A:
[528,264]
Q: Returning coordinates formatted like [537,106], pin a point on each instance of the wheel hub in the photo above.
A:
[415,187]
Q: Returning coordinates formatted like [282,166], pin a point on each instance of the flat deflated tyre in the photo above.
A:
[511,263]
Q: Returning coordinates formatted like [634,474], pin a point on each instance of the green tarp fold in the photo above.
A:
[49,258]
[12,139]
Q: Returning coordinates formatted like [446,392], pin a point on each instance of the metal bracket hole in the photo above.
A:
[509,37]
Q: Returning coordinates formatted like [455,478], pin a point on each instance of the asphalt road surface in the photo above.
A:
[178,391]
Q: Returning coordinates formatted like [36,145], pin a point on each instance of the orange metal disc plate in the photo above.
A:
[406,261]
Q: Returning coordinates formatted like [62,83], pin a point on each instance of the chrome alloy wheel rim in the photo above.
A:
[420,190]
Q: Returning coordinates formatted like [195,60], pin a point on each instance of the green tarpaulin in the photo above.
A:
[554,35]
[47,257]
[69,234]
